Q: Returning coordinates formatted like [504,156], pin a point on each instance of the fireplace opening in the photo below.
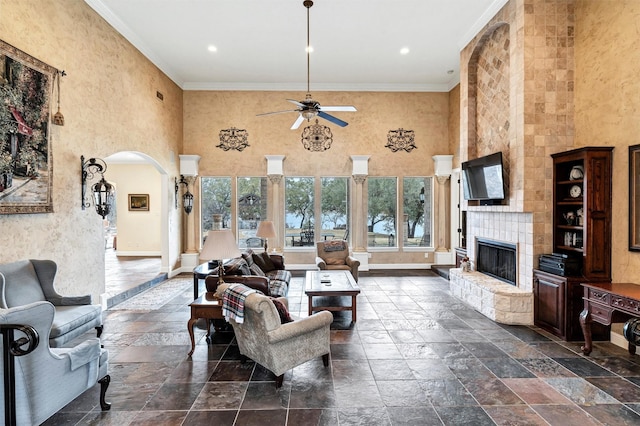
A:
[497,259]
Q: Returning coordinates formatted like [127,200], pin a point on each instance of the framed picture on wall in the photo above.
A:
[634,198]
[139,202]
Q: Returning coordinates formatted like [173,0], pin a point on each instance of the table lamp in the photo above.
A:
[219,245]
[266,230]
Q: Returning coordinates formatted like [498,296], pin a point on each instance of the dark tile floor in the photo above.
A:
[416,356]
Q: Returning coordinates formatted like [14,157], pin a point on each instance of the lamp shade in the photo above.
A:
[220,244]
[266,229]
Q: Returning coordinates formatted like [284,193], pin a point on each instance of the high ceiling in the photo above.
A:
[260,44]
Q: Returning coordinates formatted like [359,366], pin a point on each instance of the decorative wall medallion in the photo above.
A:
[233,139]
[400,139]
[317,137]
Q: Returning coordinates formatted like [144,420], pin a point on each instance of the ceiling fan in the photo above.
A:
[309,108]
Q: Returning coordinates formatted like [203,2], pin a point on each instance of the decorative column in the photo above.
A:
[275,172]
[189,169]
[443,167]
[359,213]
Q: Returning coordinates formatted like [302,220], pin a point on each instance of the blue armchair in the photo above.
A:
[29,281]
[44,379]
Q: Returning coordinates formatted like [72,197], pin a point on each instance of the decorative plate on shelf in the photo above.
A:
[577,172]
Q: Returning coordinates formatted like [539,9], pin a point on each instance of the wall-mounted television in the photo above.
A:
[483,179]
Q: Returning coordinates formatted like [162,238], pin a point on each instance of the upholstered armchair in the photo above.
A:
[46,379]
[334,255]
[29,281]
[279,347]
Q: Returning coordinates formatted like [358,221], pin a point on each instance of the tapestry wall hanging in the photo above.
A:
[26,172]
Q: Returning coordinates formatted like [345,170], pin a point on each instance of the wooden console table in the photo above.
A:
[606,301]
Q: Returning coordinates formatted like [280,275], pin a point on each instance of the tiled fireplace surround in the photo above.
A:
[516,96]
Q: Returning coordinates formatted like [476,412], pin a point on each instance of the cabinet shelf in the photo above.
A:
[569,182]
[571,227]
[569,248]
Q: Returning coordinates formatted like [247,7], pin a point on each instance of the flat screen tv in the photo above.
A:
[483,179]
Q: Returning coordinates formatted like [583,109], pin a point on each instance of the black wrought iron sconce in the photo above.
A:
[102,190]
[421,196]
[187,197]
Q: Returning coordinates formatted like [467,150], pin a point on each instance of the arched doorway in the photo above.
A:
[137,238]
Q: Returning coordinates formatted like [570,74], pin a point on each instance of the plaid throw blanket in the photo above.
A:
[233,302]
[334,245]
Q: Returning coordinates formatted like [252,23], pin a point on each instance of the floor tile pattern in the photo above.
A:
[416,356]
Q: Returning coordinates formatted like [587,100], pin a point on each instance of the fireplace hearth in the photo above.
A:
[497,259]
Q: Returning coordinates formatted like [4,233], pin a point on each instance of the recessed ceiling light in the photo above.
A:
[212,48]
[404,51]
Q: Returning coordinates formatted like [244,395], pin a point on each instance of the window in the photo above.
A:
[417,203]
[334,206]
[252,208]
[381,212]
[215,198]
[299,211]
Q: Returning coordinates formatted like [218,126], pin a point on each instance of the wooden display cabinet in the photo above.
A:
[581,228]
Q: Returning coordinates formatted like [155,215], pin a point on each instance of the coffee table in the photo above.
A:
[341,284]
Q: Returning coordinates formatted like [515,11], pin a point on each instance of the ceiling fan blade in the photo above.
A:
[332,119]
[276,112]
[344,108]
[293,101]
[298,122]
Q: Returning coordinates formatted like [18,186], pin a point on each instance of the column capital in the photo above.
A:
[442,179]
[275,179]
[359,179]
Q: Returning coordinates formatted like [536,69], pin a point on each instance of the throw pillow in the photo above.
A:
[255,270]
[285,317]
[263,260]
[248,257]
[334,261]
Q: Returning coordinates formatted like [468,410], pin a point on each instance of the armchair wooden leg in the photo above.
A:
[99,330]
[104,384]
[243,359]
[325,360]
[279,380]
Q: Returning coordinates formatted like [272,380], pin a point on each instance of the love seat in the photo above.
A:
[28,281]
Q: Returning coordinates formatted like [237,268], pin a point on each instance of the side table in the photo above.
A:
[207,307]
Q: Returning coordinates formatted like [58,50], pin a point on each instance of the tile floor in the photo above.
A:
[416,356]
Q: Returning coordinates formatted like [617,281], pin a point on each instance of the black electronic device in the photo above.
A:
[560,264]
[484,179]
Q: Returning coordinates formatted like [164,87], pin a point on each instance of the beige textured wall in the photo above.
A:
[607,102]
[109,103]
[206,113]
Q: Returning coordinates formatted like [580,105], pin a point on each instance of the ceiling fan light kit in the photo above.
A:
[308,108]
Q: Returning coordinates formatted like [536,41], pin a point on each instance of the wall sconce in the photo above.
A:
[102,190]
[187,197]
[421,196]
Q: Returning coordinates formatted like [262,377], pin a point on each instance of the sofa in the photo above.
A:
[251,264]
[29,281]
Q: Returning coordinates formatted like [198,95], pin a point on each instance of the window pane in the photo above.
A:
[215,198]
[417,211]
[252,208]
[298,206]
[334,208]
[381,214]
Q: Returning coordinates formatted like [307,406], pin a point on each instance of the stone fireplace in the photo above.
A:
[516,97]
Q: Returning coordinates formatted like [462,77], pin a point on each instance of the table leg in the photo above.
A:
[310,305]
[190,325]
[196,286]
[585,323]
[353,308]
[632,348]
